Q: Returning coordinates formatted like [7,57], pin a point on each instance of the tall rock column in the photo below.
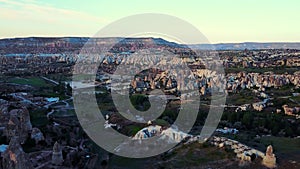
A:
[57,157]
[269,160]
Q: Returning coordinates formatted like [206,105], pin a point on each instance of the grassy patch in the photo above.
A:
[38,117]
[132,129]
[282,144]
[296,98]
[282,91]
[161,122]
[244,97]
[32,81]
[197,154]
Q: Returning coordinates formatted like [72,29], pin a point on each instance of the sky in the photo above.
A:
[221,21]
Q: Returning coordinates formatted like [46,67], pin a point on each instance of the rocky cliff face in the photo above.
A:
[14,157]
[19,125]
[15,125]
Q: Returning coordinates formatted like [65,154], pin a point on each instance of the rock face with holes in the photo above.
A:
[269,160]
[14,156]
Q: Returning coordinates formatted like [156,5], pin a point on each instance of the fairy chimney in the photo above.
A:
[269,159]
[57,158]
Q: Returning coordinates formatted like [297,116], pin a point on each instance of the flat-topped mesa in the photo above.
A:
[269,160]
[15,157]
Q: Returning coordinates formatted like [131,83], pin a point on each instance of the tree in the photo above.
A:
[247,119]
[232,118]
[288,131]
[275,129]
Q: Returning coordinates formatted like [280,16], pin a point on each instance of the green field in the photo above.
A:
[282,144]
[296,98]
[32,81]
[244,97]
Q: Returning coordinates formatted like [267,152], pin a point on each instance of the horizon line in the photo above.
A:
[215,43]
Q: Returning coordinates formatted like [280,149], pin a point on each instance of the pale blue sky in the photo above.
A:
[218,20]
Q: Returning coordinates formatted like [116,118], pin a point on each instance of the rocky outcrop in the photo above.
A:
[259,106]
[19,125]
[243,152]
[57,158]
[171,135]
[269,160]
[290,111]
[14,157]
[37,135]
[4,115]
